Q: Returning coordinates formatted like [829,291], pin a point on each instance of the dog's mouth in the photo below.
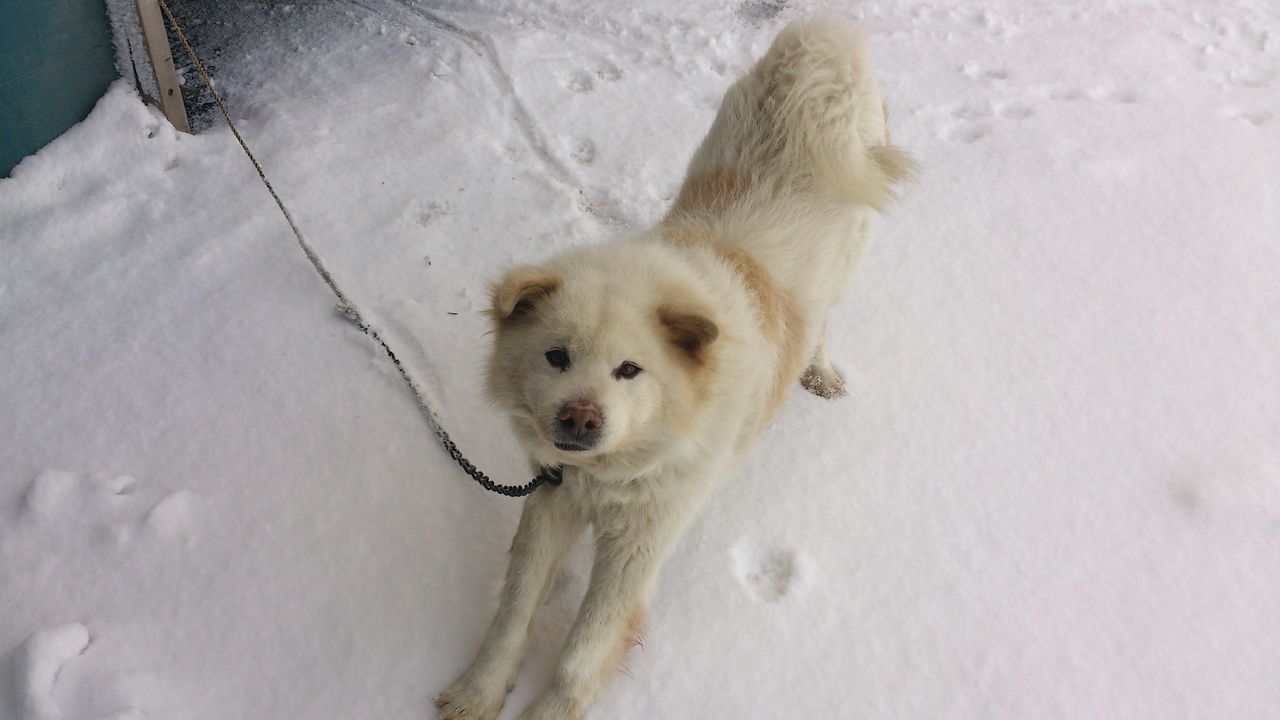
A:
[571,446]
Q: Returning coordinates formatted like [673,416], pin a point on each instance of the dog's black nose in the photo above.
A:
[579,420]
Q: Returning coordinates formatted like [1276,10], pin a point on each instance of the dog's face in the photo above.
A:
[599,356]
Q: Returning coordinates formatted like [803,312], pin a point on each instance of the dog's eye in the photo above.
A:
[626,371]
[558,358]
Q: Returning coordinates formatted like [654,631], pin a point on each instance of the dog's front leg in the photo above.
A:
[548,526]
[608,624]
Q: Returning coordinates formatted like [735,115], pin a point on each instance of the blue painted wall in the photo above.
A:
[56,60]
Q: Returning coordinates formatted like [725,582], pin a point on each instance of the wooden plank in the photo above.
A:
[153,32]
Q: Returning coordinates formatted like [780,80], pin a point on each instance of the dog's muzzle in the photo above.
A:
[578,426]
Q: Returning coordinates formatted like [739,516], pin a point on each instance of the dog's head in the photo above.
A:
[601,354]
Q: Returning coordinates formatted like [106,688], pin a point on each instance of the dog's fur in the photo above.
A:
[722,306]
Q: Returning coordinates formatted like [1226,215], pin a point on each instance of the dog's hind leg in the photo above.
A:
[821,378]
[548,526]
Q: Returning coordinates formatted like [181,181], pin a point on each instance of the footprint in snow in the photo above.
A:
[39,666]
[974,120]
[584,152]
[52,682]
[1102,93]
[1256,118]
[1066,94]
[582,81]
[1250,76]
[972,111]
[965,132]
[977,71]
[985,22]
[1015,111]
[1116,95]
[767,573]
[1232,50]
[757,11]
[423,213]
[608,72]
[114,508]
[579,82]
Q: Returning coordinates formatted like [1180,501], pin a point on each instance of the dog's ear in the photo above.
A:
[517,294]
[690,331]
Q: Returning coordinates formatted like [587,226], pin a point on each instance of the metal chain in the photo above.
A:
[551,476]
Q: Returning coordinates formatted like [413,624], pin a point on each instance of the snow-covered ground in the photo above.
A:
[1054,491]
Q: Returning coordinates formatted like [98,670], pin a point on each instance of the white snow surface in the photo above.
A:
[1054,490]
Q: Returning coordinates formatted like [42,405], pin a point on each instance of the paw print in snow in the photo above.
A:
[584,152]
[973,121]
[40,664]
[56,676]
[579,82]
[766,573]
[114,508]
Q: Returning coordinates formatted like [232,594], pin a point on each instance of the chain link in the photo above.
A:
[550,476]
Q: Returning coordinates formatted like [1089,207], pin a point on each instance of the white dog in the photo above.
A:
[648,366]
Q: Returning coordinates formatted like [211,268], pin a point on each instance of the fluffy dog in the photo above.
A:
[648,366]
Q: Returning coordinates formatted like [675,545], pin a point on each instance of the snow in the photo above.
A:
[1053,492]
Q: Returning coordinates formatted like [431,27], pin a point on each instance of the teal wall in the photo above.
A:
[56,60]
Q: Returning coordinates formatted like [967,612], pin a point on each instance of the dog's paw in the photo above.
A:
[552,706]
[466,701]
[825,382]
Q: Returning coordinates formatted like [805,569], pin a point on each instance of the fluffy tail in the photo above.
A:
[808,117]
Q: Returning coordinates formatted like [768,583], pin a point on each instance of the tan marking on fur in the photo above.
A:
[630,638]
[712,191]
[692,333]
[692,343]
[768,299]
[781,321]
